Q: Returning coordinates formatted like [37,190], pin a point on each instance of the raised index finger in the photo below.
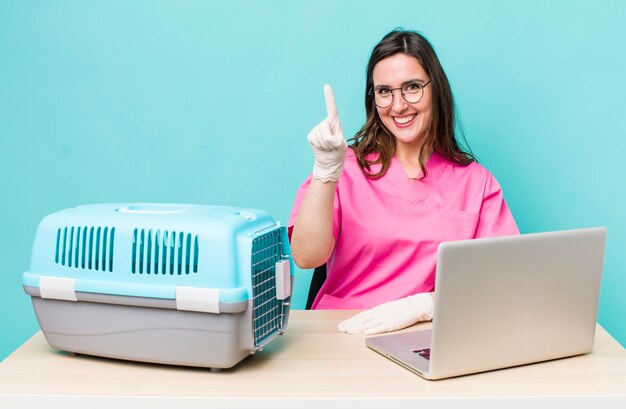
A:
[331,108]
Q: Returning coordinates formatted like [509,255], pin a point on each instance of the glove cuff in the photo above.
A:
[327,173]
[424,303]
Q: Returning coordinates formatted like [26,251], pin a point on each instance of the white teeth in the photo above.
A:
[405,119]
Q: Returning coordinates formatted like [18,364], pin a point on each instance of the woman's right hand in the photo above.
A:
[328,143]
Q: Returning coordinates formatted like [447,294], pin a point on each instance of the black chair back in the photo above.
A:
[319,276]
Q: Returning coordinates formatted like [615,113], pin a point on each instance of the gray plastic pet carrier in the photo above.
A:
[176,284]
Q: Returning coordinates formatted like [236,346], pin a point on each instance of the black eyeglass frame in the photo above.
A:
[402,93]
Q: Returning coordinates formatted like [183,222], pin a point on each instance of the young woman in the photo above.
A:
[376,211]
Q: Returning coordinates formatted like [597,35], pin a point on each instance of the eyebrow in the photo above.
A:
[422,82]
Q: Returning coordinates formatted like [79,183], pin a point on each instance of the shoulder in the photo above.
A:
[473,177]
[351,156]
[351,165]
[473,171]
[353,172]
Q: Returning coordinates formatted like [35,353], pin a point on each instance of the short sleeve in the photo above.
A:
[298,202]
[495,217]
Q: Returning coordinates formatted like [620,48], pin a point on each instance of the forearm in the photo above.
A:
[312,241]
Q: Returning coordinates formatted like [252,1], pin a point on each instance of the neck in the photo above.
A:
[409,157]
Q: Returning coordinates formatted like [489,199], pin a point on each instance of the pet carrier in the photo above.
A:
[177,284]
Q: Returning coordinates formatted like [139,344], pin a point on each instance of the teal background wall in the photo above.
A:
[211,102]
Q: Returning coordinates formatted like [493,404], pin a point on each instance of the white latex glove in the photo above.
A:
[390,316]
[327,142]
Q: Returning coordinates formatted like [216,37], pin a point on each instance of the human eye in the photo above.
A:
[412,87]
[383,91]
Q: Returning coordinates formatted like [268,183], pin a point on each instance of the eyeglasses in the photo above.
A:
[411,92]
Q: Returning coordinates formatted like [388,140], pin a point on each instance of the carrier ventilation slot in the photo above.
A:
[163,252]
[85,247]
[267,309]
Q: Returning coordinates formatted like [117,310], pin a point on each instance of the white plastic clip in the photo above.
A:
[57,288]
[198,299]
[283,279]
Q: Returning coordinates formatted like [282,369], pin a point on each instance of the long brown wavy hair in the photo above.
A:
[375,138]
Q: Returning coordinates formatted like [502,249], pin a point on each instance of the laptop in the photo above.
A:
[506,301]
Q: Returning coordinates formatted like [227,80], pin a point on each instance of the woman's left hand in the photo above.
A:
[390,316]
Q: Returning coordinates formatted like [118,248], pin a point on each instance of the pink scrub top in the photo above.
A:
[387,230]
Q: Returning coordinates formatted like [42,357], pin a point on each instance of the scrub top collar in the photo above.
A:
[416,190]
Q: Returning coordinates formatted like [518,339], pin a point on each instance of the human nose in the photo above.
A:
[398,104]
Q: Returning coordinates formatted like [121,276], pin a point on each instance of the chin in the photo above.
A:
[408,137]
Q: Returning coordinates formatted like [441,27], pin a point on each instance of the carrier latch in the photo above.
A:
[283,280]
[57,288]
[198,299]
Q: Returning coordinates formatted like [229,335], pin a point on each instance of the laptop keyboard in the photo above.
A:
[423,352]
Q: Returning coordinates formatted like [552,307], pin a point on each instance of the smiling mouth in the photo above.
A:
[404,120]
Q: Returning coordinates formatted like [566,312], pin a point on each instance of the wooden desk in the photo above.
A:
[311,360]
